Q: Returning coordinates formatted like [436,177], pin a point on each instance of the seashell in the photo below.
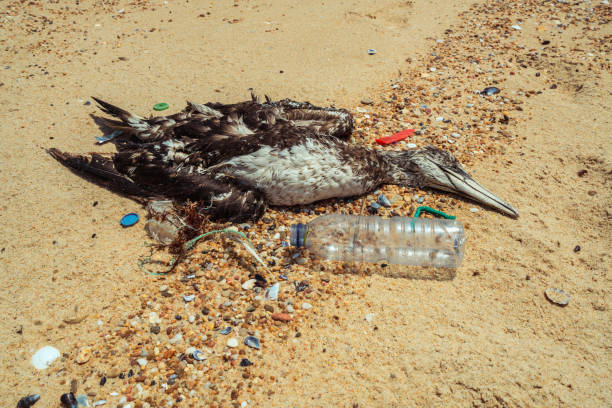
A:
[188,298]
[44,357]
[27,402]
[83,355]
[557,296]
[198,355]
[383,200]
[491,90]
[252,342]
[69,401]
[226,331]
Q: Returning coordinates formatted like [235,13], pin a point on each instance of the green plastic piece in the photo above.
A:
[160,106]
[433,211]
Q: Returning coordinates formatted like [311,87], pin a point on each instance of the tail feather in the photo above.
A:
[101,170]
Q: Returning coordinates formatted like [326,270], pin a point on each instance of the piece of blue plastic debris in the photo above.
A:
[109,137]
[371,51]
[375,205]
[129,219]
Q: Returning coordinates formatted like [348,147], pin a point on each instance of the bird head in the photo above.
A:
[440,170]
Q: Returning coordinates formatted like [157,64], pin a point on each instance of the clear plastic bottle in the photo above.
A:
[400,240]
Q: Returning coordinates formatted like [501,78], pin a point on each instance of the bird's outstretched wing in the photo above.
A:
[223,121]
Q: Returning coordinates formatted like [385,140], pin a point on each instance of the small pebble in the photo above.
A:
[577,248]
[281,317]
[474,210]
[232,342]
[369,317]
[226,331]
[420,200]
[367,101]
[188,298]
[306,306]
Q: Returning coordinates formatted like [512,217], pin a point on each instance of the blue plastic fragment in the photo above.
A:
[371,51]
[374,205]
[129,219]
[109,137]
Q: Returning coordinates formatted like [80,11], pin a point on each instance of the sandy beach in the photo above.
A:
[483,336]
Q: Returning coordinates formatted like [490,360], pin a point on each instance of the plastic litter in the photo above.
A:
[109,137]
[129,219]
[371,51]
[161,106]
[272,292]
[395,137]
[370,239]
[433,211]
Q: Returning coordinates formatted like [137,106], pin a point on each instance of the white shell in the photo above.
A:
[44,357]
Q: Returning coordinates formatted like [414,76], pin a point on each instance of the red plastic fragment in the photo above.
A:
[395,137]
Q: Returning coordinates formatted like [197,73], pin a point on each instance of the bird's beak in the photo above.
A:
[459,182]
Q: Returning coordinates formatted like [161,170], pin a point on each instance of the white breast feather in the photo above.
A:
[308,172]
